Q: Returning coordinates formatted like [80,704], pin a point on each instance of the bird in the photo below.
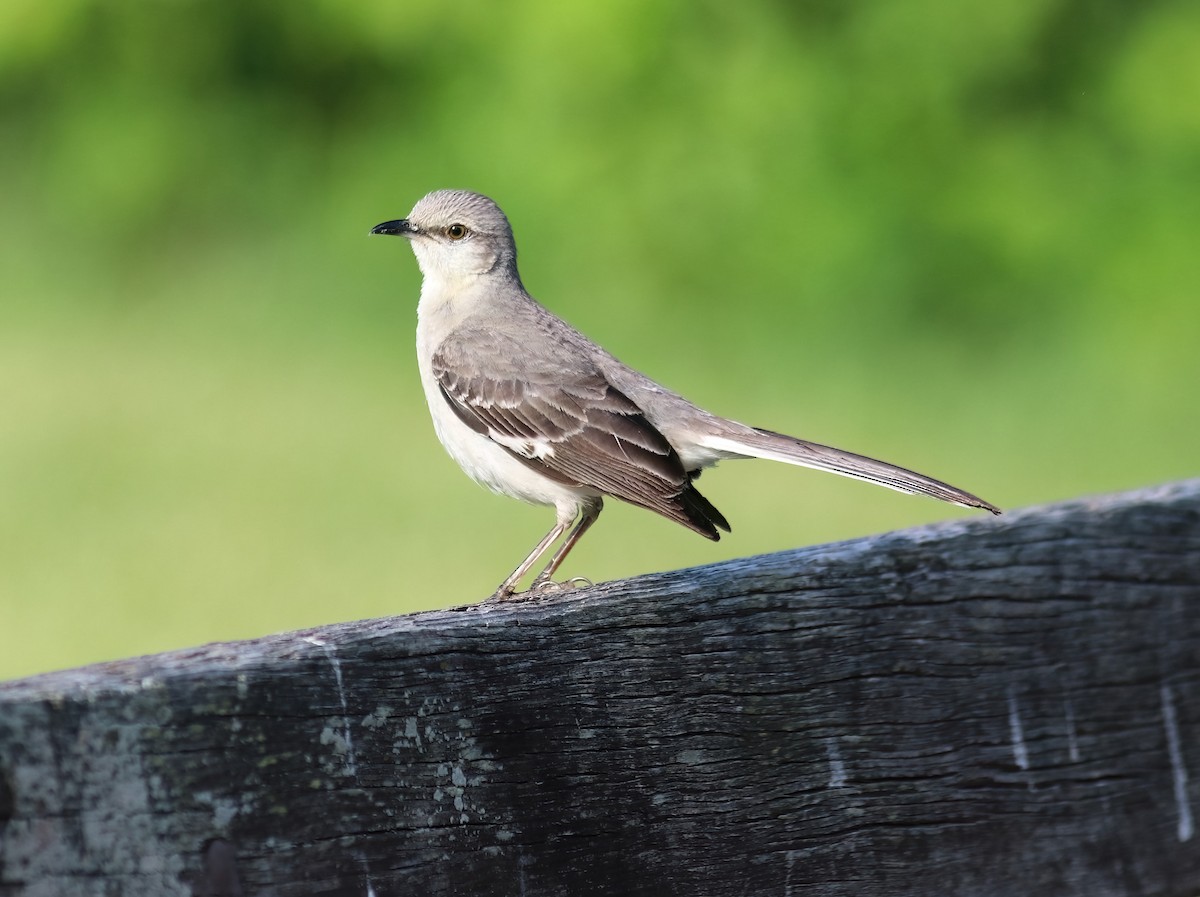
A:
[531,408]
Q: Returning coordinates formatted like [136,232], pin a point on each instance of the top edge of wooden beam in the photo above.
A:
[723,580]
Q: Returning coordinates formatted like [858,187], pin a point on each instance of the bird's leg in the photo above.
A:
[506,588]
[591,512]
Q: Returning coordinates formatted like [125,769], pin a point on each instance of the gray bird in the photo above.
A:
[531,408]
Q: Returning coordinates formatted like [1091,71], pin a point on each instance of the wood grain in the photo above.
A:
[982,707]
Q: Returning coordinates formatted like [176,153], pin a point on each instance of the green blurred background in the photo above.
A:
[961,237]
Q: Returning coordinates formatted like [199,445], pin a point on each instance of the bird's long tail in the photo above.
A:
[755,443]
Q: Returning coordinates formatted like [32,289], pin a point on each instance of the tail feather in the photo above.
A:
[755,443]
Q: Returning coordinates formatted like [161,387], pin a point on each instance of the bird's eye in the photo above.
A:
[456,231]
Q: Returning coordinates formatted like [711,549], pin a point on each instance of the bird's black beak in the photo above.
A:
[401,227]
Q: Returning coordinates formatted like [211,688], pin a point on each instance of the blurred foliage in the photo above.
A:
[958,236]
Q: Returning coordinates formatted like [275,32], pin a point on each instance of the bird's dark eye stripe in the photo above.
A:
[456,231]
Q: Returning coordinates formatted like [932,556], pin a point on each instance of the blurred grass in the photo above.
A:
[958,238]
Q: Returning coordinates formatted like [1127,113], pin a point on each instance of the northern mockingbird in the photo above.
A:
[531,408]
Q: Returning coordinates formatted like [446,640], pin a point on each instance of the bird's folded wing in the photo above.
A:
[561,416]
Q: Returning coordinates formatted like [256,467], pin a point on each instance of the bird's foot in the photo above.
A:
[542,587]
[549,586]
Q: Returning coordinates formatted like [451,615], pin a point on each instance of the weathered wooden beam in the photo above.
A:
[984,707]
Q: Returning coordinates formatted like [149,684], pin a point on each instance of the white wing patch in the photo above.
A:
[526,448]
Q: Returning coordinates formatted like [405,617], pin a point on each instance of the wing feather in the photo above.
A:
[564,419]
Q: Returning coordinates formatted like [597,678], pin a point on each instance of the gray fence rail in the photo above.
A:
[983,707]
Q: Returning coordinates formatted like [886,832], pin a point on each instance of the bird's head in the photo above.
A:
[456,234]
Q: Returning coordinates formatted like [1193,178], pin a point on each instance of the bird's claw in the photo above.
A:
[549,586]
[541,587]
